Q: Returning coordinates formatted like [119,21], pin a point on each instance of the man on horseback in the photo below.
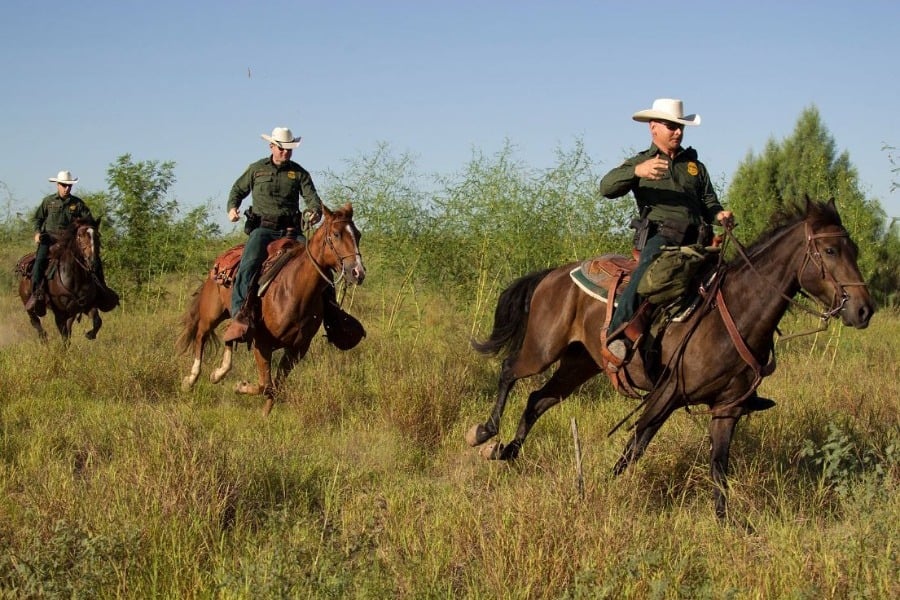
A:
[55,213]
[677,205]
[276,184]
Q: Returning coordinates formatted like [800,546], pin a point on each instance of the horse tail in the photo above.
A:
[190,322]
[511,315]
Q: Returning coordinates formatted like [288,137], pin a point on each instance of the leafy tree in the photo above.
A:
[807,163]
[147,238]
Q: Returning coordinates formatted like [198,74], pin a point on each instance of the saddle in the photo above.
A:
[597,276]
[225,267]
[25,266]
[605,276]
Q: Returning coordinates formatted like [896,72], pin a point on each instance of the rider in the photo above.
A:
[676,200]
[55,213]
[276,183]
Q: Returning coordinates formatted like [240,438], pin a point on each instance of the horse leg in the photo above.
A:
[658,410]
[64,325]
[482,432]
[721,430]
[575,367]
[97,322]
[36,324]
[218,374]
[263,359]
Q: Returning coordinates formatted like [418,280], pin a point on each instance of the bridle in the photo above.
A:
[329,243]
[812,255]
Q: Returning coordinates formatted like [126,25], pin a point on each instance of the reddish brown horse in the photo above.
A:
[72,288]
[291,307]
[544,317]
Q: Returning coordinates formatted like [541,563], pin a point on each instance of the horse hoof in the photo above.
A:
[475,436]
[186,384]
[478,434]
[91,335]
[492,451]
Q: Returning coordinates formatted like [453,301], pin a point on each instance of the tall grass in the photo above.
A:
[115,483]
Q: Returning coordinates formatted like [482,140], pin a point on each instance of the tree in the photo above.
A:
[147,238]
[807,163]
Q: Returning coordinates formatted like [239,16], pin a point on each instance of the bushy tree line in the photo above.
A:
[496,217]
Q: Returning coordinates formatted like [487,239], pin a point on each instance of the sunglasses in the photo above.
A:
[671,126]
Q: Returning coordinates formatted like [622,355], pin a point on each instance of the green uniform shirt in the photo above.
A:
[55,214]
[276,189]
[684,194]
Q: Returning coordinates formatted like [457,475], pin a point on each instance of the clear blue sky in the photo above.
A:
[84,82]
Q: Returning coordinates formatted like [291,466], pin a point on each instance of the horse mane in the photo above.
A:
[819,214]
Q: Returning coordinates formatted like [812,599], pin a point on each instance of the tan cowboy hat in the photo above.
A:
[282,137]
[64,177]
[666,109]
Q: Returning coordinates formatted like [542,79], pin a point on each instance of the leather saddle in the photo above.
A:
[225,267]
[597,276]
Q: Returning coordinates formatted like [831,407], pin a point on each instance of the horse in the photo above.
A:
[72,287]
[716,357]
[291,309]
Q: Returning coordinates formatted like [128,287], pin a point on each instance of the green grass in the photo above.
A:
[115,483]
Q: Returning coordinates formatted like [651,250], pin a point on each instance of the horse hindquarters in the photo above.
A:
[207,310]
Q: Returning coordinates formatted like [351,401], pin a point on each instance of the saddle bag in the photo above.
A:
[671,273]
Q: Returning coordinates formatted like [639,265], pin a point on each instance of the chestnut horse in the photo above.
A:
[716,357]
[71,288]
[291,308]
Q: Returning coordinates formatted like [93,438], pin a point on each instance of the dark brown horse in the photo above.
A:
[72,288]
[291,307]
[544,317]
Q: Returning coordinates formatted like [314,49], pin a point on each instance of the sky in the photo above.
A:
[197,82]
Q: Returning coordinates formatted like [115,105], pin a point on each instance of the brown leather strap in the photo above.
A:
[740,345]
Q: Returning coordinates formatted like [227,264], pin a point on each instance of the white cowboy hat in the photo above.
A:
[282,137]
[64,177]
[666,109]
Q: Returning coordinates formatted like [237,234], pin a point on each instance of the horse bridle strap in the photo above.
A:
[327,240]
[813,255]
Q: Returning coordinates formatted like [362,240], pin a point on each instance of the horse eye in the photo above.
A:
[831,251]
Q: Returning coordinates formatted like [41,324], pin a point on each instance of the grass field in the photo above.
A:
[116,483]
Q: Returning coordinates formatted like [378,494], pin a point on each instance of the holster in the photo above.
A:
[641,228]
[253,220]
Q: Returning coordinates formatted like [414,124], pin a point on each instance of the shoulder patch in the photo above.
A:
[693,169]
[292,175]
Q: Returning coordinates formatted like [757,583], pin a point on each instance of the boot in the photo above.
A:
[239,328]
[756,404]
[36,299]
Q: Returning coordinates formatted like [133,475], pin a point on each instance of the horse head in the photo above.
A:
[336,244]
[81,239]
[829,271]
